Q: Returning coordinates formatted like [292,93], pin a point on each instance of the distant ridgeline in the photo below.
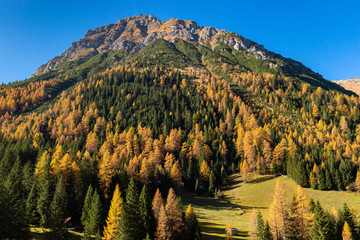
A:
[143,108]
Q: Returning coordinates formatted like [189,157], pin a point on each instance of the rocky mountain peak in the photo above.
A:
[133,33]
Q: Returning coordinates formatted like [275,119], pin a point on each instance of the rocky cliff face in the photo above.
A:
[352,84]
[133,33]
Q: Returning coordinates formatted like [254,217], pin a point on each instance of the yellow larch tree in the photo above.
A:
[278,212]
[112,220]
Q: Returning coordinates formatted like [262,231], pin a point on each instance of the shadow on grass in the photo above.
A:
[45,234]
[214,231]
[263,179]
[208,203]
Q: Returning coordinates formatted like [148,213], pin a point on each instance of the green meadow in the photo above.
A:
[235,209]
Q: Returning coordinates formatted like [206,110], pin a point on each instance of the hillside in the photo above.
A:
[351,84]
[137,114]
[241,198]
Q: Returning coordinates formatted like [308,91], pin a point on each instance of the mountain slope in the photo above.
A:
[132,34]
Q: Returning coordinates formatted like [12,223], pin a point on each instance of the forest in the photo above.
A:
[116,151]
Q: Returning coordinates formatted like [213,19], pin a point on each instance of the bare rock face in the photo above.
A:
[352,84]
[133,33]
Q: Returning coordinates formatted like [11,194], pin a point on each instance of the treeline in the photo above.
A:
[302,218]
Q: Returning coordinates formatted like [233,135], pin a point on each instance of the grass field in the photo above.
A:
[235,209]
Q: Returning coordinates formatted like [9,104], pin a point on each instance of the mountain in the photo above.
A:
[130,35]
[351,84]
[169,108]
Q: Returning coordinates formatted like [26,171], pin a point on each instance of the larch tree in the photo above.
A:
[162,230]
[112,220]
[279,212]
[301,212]
[176,175]
[253,225]
[346,233]
[157,203]
[191,225]
[174,216]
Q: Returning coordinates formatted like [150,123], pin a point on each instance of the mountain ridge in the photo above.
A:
[133,33]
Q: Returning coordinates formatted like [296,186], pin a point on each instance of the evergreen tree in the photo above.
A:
[57,209]
[263,229]
[87,206]
[323,226]
[146,213]
[43,202]
[13,219]
[345,215]
[31,201]
[212,183]
[93,223]
[130,223]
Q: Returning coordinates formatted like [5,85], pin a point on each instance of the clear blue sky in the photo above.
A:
[324,35]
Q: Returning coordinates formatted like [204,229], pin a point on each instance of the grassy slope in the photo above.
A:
[235,210]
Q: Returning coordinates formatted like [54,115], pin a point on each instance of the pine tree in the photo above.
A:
[130,223]
[346,233]
[279,212]
[112,220]
[57,209]
[87,206]
[146,213]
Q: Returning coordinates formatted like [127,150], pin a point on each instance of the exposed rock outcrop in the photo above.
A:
[133,33]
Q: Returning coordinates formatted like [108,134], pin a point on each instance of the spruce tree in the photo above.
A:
[87,206]
[44,200]
[345,215]
[31,201]
[323,226]
[93,223]
[212,183]
[13,220]
[57,209]
[146,213]
[130,223]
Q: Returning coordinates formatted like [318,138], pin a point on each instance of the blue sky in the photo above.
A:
[324,35]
